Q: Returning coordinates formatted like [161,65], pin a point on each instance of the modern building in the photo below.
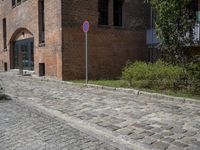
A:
[45,36]
[153,41]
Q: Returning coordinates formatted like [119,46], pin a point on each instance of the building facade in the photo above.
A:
[45,36]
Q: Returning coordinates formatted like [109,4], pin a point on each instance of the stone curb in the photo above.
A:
[137,92]
[127,90]
[148,94]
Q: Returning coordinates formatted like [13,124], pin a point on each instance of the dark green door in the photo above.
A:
[24,48]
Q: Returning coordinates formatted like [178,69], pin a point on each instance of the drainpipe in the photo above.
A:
[151,26]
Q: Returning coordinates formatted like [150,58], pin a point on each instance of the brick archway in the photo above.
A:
[22,49]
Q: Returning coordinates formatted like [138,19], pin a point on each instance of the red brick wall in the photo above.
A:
[109,50]
[26,16]
[109,47]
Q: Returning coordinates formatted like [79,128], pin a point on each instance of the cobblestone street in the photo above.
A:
[75,117]
[22,128]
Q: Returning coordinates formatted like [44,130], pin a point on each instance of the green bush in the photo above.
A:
[159,75]
[137,71]
[193,72]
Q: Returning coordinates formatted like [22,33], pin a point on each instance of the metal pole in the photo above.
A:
[151,35]
[86,58]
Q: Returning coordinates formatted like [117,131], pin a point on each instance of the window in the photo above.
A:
[4,34]
[41,22]
[118,9]
[103,12]
[13,3]
[18,2]
[41,69]
[193,5]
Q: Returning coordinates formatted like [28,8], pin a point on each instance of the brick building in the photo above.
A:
[46,36]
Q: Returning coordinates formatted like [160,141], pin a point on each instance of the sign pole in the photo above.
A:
[86,27]
[86,57]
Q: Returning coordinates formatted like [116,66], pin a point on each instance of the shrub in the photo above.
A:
[194,77]
[159,75]
[137,71]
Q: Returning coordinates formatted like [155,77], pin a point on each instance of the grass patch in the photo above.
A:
[124,84]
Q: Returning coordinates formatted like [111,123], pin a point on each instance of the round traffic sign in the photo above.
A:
[86,26]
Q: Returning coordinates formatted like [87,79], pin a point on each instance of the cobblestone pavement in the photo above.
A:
[146,122]
[22,128]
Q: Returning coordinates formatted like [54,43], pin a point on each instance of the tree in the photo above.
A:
[175,20]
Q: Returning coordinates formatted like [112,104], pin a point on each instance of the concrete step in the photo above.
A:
[25,72]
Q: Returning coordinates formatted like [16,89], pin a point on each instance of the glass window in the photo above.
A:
[4,33]
[41,22]
[13,3]
[118,9]
[103,12]
[18,2]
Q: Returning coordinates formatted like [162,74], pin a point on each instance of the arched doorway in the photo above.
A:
[22,50]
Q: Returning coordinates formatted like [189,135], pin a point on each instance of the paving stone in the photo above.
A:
[147,133]
[167,127]
[123,124]
[189,140]
[179,130]
[160,145]
[124,131]
[190,133]
[179,144]
[111,110]
[103,123]
[149,140]
[157,136]
[45,132]
[157,130]
[168,140]
[196,126]
[193,147]
[174,147]
[178,136]
[167,133]
[137,136]
[147,127]
[197,142]
[138,125]
[112,127]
